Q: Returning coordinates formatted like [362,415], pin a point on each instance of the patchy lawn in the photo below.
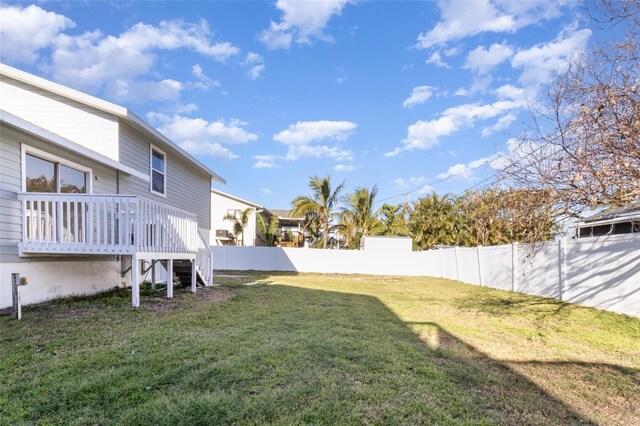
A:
[320,349]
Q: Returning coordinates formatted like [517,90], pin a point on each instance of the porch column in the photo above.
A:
[135,281]
[193,275]
[169,278]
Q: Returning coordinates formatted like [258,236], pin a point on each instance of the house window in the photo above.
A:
[45,173]
[158,171]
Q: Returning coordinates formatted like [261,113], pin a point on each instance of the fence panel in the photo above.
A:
[496,266]
[602,272]
[605,276]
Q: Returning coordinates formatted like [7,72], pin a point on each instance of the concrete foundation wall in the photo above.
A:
[53,279]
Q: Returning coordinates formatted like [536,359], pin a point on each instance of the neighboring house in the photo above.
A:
[89,192]
[620,220]
[223,204]
[289,225]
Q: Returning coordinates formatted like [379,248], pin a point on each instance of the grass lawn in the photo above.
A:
[320,349]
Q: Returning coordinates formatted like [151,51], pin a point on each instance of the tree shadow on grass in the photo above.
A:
[278,354]
[510,303]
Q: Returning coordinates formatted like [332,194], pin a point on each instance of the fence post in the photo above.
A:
[479,265]
[515,266]
[562,266]
[455,251]
[441,267]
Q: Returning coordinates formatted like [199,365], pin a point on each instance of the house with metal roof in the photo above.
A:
[619,220]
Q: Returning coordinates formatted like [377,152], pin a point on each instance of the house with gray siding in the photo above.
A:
[92,196]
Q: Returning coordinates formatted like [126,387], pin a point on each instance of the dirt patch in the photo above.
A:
[183,300]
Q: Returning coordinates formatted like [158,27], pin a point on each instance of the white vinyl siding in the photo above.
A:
[77,122]
[104,181]
[187,187]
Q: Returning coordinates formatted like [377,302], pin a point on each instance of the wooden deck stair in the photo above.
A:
[182,273]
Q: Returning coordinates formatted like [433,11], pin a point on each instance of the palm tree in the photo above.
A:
[358,218]
[393,220]
[434,221]
[321,202]
[268,229]
[240,221]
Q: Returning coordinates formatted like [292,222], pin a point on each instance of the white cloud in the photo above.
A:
[510,92]
[301,22]
[344,168]
[463,20]
[255,63]
[296,152]
[212,149]
[265,162]
[266,191]
[436,60]
[426,134]
[93,61]
[199,136]
[483,60]
[419,95]
[143,91]
[304,132]
[301,137]
[525,153]
[25,31]
[541,61]
[465,171]
[503,123]
[462,92]
[203,82]
[399,182]
[405,183]
[427,189]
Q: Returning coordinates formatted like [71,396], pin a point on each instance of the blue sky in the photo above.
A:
[398,94]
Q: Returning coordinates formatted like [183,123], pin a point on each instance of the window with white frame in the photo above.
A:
[158,160]
[44,172]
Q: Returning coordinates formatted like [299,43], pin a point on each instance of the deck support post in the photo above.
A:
[193,276]
[135,281]
[169,278]
[153,274]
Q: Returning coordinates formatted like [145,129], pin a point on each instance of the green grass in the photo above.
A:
[320,349]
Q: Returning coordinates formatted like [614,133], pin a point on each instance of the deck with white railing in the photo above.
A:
[84,224]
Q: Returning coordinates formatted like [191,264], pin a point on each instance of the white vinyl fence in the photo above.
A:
[602,272]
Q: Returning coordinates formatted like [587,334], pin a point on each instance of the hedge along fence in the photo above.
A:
[603,272]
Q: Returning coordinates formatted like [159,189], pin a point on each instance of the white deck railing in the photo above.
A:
[204,260]
[105,224]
